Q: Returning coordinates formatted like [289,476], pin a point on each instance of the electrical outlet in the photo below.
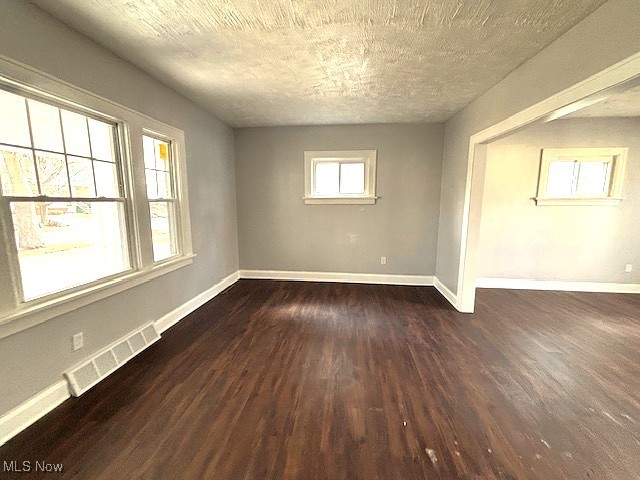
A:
[78,341]
[383,260]
[628,267]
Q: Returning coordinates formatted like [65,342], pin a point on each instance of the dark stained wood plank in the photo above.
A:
[274,380]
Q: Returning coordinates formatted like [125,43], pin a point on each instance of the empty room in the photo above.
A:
[320,239]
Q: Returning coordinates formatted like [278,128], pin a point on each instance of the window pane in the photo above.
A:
[162,155]
[162,232]
[101,140]
[352,178]
[14,127]
[81,176]
[52,171]
[63,245]
[560,181]
[17,172]
[152,184]
[164,185]
[149,152]
[593,178]
[106,179]
[76,135]
[45,126]
[326,178]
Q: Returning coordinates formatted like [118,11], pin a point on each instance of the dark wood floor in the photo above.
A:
[337,381]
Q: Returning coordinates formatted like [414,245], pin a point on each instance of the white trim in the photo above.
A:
[174,316]
[21,315]
[615,77]
[339,277]
[27,413]
[578,202]
[615,157]
[557,285]
[446,293]
[340,200]
[368,157]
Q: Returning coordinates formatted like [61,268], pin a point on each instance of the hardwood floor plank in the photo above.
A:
[296,380]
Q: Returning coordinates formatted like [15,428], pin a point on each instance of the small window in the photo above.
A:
[581,176]
[340,177]
[60,179]
[160,192]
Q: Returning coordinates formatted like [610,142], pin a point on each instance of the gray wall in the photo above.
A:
[34,359]
[583,51]
[277,231]
[571,243]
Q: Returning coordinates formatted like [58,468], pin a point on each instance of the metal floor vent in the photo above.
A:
[84,376]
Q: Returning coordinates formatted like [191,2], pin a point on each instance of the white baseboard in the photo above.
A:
[446,293]
[174,316]
[527,284]
[339,277]
[27,413]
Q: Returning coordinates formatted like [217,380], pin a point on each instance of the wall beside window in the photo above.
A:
[278,231]
[35,358]
[519,240]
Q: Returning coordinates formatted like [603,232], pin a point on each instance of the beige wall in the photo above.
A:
[519,240]
[34,359]
[607,36]
[277,231]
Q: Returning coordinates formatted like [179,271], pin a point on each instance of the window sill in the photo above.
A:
[610,201]
[340,200]
[35,314]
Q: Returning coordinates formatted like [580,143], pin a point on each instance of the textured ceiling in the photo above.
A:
[287,62]
[624,104]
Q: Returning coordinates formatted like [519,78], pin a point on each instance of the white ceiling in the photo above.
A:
[287,62]
[624,104]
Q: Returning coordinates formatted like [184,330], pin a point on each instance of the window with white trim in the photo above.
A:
[581,176]
[92,199]
[61,179]
[158,166]
[336,177]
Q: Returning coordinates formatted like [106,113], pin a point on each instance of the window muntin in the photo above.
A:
[340,177]
[66,204]
[15,313]
[582,176]
[158,166]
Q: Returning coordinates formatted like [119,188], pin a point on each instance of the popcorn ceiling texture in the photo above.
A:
[286,62]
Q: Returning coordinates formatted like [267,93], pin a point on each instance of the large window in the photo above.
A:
[340,176]
[60,174]
[92,198]
[581,176]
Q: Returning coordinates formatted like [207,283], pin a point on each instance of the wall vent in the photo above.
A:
[85,375]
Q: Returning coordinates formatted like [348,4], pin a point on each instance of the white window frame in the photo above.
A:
[368,157]
[16,314]
[618,156]
[177,232]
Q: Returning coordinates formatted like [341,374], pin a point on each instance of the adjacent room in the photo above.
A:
[320,239]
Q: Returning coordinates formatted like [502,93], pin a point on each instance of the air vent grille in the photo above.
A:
[84,376]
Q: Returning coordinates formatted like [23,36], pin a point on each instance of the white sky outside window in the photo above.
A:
[327,178]
[339,178]
[593,178]
[561,176]
[352,178]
